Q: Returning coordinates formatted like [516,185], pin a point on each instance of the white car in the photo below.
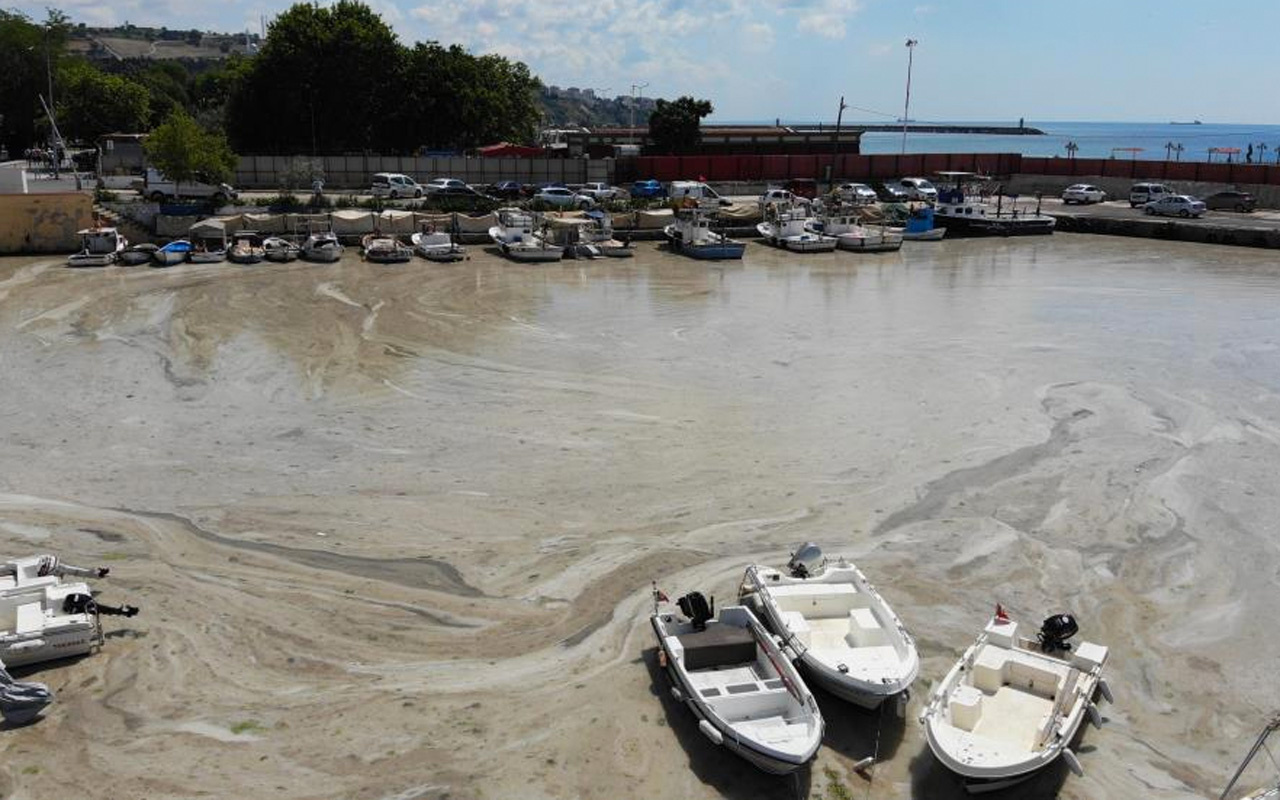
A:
[1083,193]
[564,198]
[1175,205]
[919,189]
[436,184]
[600,192]
[780,196]
[858,193]
[395,186]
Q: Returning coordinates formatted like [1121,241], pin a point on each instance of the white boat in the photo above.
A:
[846,637]
[279,249]
[570,233]
[600,235]
[383,249]
[322,246]
[208,242]
[1259,745]
[691,235]
[99,247]
[1011,705]
[746,695]
[174,252]
[851,234]
[437,246]
[788,228]
[514,234]
[246,248]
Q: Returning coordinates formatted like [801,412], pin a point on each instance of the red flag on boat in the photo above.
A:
[1001,614]
[659,596]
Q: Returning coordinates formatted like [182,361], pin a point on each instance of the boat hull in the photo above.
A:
[63,641]
[996,226]
[865,244]
[91,260]
[931,235]
[323,255]
[133,258]
[206,258]
[169,258]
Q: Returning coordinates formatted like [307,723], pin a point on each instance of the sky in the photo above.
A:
[991,60]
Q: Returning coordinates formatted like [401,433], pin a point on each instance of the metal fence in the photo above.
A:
[355,172]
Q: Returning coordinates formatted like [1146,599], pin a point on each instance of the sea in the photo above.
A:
[1156,140]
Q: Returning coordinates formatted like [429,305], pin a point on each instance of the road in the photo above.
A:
[15,178]
[1266,219]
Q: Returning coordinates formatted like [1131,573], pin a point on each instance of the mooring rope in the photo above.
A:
[875,752]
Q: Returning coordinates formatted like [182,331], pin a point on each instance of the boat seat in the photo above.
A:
[719,645]
[30,618]
[864,629]
[795,623]
[995,667]
[966,707]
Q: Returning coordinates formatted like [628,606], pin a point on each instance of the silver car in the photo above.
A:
[1175,205]
[858,193]
[564,198]
[1083,193]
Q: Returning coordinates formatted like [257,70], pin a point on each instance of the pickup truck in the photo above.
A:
[157,188]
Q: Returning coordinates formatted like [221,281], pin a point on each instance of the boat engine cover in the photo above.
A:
[694,606]
[1056,630]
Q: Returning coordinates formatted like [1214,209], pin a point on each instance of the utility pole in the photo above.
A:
[835,142]
[906,108]
[634,87]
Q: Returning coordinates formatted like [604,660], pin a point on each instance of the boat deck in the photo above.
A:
[1013,716]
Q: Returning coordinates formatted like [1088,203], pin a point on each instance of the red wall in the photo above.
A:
[1154,170]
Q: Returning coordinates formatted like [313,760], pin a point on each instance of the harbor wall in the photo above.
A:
[1268,196]
[355,172]
[43,223]
[755,168]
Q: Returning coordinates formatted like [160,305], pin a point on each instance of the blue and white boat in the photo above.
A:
[691,234]
[920,227]
[175,252]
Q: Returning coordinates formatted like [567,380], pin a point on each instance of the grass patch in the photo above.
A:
[31,770]
[247,726]
[836,790]
[113,556]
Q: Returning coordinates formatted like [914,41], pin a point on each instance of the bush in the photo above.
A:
[104,195]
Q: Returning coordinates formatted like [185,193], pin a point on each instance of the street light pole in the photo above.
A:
[906,107]
[634,87]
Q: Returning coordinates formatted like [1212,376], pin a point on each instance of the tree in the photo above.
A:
[328,76]
[185,152]
[675,126]
[91,103]
[25,50]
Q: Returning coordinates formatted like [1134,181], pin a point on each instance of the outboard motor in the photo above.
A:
[1055,632]
[694,606]
[803,561]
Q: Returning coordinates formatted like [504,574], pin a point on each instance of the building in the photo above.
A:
[122,154]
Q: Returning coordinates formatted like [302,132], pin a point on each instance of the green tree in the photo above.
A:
[91,103]
[185,152]
[675,126]
[24,48]
[330,79]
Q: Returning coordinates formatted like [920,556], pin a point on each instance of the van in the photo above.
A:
[159,189]
[1142,193]
[696,190]
[395,185]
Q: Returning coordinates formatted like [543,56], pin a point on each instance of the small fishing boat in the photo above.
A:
[1011,705]
[746,695]
[208,242]
[137,254]
[691,234]
[437,246]
[246,248]
[600,235]
[515,236]
[382,249]
[99,247]
[920,227]
[279,249]
[965,213]
[852,234]
[570,234]
[845,636]
[322,246]
[174,252]
[789,228]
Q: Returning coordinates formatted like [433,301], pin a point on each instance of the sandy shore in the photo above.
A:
[392,528]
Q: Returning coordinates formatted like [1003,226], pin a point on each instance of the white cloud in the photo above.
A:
[824,18]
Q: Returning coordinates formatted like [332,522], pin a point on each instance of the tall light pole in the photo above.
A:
[906,108]
[634,87]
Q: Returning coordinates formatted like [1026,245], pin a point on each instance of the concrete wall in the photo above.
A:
[355,173]
[43,223]
[1118,188]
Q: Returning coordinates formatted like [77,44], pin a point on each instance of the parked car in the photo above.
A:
[802,187]
[890,193]
[506,189]
[1180,205]
[696,190]
[649,188]
[157,188]
[782,197]
[1083,193]
[1231,201]
[530,189]
[1142,193]
[858,193]
[395,186]
[436,184]
[600,192]
[918,189]
[462,198]
[564,198]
